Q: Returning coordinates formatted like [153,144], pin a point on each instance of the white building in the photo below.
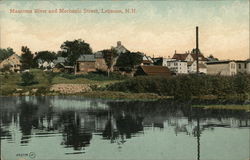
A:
[192,67]
[176,66]
[243,66]
[225,68]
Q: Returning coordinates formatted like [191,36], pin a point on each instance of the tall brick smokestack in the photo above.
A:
[197,48]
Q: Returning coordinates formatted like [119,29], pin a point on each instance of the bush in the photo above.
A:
[186,86]
[28,79]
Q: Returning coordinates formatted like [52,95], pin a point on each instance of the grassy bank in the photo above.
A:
[182,87]
[229,107]
[188,86]
[11,83]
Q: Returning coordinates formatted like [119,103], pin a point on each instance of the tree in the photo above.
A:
[74,49]
[5,53]
[26,58]
[110,56]
[44,56]
[28,78]
[129,60]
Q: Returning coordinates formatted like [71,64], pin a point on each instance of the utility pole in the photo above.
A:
[197,49]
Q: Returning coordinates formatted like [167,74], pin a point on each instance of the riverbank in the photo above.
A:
[98,85]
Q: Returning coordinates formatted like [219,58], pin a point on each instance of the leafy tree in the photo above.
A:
[129,60]
[28,78]
[74,49]
[211,57]
[5,53]
[26,58]
[110,56]
[44,56]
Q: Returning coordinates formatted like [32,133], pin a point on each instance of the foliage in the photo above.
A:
[129,60]
[95,76]
[5,53]
[26,58]
[44,56]
[110,56]
[186,86]
[28,79]
[74,49]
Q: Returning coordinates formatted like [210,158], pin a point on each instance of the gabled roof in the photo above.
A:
[180,56]
[156,70]
[201,57]
[86,58]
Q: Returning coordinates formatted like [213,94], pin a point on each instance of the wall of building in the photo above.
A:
[226,69]
[101,64]
[86,67]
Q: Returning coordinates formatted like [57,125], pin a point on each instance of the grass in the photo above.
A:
[229,107]
[122,95]
[12,82]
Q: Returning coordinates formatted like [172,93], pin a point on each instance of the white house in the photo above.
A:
[192,67]
[177,66]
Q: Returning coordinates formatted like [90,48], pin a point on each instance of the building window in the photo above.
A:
[239,66]
[245,65]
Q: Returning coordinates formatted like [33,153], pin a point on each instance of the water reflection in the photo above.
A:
[114,121]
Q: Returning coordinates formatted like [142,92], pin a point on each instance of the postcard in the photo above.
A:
[124,80]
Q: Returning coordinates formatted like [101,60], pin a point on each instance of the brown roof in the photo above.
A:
[146,61]
[181,57]
[156,70]
[200,56]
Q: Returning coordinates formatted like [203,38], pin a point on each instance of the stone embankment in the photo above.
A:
[70,88]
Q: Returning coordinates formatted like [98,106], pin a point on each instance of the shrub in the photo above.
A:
[28,79]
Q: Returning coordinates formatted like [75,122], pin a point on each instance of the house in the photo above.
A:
[60,65]
[153,71]
[85,64]
[13,62]
[176,66]
[192,67]
[190,58]
[46,65]
[100,63]
[120,48]
[225,68]
[147,60]
[243,66]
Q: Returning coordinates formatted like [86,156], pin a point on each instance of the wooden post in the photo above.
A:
[197,49]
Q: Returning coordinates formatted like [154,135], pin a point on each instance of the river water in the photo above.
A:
[71,127]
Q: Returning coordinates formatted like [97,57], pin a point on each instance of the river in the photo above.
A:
[72,127]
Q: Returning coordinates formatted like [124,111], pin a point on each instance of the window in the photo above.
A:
[239,66]
[245,65]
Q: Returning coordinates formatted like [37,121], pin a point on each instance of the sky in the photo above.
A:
[156,28]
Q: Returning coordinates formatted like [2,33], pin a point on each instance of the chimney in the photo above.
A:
[119,43]
[197,49]
[175,51]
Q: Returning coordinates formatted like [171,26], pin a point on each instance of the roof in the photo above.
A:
[87,58]
[98,54]
[60,60]
[219,62]
[147,61]
[180,56]
[201,57]
[156,70]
